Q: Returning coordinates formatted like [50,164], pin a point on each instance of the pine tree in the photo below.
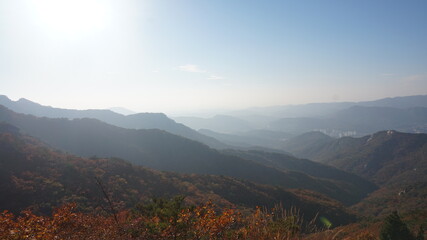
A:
[395,229]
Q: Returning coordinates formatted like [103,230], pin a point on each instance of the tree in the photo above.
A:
[395,229]
[420,234]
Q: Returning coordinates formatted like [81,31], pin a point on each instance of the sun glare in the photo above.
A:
[71,17]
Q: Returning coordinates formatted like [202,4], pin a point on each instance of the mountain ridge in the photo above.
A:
[395,161]
[136,121]
[38,177]
[163,151]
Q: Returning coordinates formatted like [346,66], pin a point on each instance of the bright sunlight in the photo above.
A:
[71,18]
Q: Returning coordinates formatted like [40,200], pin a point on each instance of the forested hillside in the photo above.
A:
[35,176]
[396,161]
[164,151]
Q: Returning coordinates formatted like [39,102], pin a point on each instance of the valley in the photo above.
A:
[51,157]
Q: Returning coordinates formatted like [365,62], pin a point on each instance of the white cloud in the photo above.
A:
[191,68]
[213,77]
[387,74]
[415,78]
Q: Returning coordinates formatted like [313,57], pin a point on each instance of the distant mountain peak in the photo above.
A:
[24,100]
[122,110]
[4,97]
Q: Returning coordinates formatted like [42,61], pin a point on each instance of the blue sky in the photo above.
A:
[185,55]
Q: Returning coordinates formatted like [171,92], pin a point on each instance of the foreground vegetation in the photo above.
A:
[169,219]
[159,219]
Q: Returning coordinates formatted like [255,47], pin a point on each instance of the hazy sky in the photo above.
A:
[180,55]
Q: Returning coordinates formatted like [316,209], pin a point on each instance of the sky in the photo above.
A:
[185,55]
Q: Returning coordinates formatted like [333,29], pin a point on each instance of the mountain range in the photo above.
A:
[135,121]
[164,151]
[377,173]
[261,138]
[33,175]
[319,110]
[395,161]
[358,121]
[263,117]
[217,123]
[266,127]
[274,125]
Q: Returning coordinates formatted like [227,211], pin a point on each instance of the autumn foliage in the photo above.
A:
[162,219]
